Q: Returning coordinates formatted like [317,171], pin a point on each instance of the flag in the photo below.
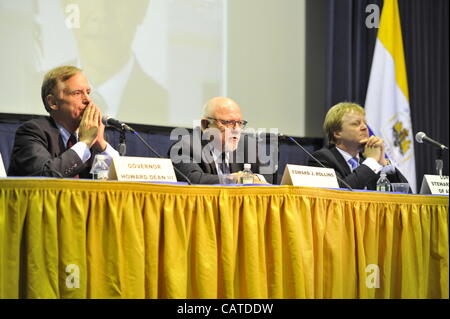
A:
[387,101]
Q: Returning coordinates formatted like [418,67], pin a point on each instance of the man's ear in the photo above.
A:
[336,135]
[51,102]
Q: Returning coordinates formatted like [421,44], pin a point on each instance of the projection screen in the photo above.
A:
[157,62]
[150,62]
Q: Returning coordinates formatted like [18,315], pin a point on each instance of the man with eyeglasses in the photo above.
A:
[214,148]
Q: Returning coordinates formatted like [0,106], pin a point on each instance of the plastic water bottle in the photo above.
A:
[100,167]
[383,184]
[247,175]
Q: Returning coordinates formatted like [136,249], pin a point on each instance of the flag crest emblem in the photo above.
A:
[401,137]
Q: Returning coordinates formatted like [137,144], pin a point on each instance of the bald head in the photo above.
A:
[219,105]
[216,111]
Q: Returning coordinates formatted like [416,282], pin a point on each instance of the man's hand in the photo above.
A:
[92,130]
[89,125]
[383,161]
[100,144]
[374,148]
[256,179]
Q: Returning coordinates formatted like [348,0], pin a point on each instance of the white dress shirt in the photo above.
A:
[81,148]
[369,162]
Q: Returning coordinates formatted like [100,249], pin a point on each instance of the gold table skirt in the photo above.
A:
[90,239]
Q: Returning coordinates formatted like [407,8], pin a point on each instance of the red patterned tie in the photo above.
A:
[71,142]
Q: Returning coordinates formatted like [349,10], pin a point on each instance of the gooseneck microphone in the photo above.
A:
[422,137]
[157,154]
[314,158]
[107,120]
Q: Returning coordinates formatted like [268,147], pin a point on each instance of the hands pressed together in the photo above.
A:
[374,148]
[91,129]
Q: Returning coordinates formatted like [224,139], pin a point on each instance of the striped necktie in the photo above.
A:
[224,165]
[353,163]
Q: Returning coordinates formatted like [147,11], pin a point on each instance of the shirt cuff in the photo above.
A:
[373,165]
[82,151]
[388,169]
[110,151]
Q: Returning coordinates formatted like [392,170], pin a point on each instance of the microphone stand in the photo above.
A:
[122,146]
[158,155]
[315,159]
[122,143]
[439,161]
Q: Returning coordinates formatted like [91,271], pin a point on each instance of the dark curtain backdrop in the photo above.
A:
[425,29]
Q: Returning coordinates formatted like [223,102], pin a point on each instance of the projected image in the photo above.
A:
[104,40]
[150,62]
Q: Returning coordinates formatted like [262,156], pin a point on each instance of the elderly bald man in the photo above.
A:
[214,149]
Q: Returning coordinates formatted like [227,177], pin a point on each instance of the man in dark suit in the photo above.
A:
[216,148]
[64,144]
[356,158]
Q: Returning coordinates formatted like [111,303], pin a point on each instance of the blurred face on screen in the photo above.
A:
[353,130]
[106,33]
[69,101]
[225,119]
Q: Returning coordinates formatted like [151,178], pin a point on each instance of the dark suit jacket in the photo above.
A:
[197,163]
[361,177]
[39,151]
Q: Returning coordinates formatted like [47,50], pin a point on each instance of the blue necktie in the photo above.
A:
[353,163]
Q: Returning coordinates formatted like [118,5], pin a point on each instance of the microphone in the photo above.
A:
[107,120]
[422,137]
[157,154]
[314,158]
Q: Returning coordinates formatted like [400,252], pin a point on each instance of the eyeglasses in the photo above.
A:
[230,123]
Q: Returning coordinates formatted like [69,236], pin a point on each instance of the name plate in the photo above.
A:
[299,175]
[142,169]
[434,184]
[2,167]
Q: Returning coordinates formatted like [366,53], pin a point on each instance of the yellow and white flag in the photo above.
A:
[387,99]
